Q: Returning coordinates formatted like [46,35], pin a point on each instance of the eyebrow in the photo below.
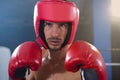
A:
[56,22]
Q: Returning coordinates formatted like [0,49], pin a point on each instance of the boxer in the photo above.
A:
[54,56]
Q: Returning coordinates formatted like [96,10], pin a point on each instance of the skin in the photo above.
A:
[55,34]
[53,59]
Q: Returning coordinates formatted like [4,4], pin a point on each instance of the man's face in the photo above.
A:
[55,34]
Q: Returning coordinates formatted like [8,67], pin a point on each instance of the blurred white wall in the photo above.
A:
[4,59]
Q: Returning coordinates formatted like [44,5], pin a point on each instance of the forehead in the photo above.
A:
[57,22]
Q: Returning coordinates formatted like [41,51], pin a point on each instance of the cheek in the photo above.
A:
[64,33]
[46,33]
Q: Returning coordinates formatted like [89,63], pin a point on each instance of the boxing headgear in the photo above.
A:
[55,11]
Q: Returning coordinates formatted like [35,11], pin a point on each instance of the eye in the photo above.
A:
[64,25]
[47,24]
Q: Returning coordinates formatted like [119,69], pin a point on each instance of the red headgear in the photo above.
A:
[56,11]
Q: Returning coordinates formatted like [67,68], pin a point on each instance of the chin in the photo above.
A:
[55,48]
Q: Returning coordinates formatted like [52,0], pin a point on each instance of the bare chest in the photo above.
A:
[64,76]
[56,72]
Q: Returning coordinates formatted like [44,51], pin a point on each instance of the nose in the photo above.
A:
[55,30]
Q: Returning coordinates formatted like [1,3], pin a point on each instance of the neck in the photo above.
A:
[57,55]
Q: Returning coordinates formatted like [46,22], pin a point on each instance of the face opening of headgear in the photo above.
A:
[55,11]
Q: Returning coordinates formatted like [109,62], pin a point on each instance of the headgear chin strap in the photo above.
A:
[56,11]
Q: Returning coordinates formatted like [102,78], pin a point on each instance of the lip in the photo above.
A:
[54,42]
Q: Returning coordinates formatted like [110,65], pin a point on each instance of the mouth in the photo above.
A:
[54,42]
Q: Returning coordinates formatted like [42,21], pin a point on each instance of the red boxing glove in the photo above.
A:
[82,55]
[27,55]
